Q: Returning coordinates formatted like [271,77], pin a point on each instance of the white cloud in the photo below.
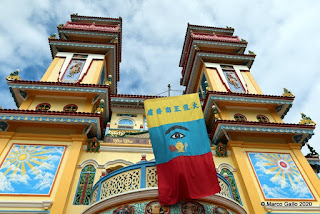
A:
[274,192]
[5,184]
[283,34]
[45,181]
[18,178]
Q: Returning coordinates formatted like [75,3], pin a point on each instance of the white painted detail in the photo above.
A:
[26,204]
[227,166]
[121,161]
[86,65]
[237,69]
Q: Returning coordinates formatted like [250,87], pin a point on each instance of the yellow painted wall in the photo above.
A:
[57,103]
[248,182]
[92,76]
[102,158]
[215,80]
[52,73]
[251,88]
[115,119]
[249,113]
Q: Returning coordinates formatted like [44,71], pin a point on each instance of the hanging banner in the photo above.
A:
[182,148]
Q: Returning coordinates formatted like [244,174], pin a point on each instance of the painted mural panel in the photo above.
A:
[279,177]
[30,169]
[233,81]
[73,71]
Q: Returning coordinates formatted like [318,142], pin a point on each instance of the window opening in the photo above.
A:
[240,117]
[262,119]
[43,107]
[125,124]
[86,179]
[70,108]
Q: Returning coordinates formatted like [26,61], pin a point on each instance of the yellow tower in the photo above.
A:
[246,126]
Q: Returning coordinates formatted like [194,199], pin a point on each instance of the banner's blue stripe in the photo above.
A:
[179,139]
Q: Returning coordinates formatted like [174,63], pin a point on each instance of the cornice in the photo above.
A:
[45,204]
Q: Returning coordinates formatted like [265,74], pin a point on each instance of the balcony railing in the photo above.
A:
[142,175]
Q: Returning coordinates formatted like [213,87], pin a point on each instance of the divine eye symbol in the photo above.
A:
[177,135]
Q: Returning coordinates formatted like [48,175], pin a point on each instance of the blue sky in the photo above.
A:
[283,34]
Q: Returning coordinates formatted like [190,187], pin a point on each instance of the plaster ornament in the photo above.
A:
[306,120]
[287,93]
[14,75]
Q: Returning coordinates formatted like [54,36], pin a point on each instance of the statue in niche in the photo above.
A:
[232,80]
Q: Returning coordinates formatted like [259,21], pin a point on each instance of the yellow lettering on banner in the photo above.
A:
[173,110]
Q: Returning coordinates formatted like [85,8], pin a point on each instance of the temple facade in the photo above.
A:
[74,145]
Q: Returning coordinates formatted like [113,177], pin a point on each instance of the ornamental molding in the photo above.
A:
[259,129]
[59,88]
[227,166]
[193,27]
[123,149]
[78,44]
[54,119]
[95,19]
[75,31]
[224,43]
[104,166]
[152,193]
[41,118]
[247,100]
[121,161]
[90,162]
[127,100]
[46,204]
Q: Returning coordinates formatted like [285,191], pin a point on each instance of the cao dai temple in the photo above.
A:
[74,145]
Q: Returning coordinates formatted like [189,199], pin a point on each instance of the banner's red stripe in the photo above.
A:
[187,177]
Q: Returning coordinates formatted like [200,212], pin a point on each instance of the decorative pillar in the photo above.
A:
[246,180]
[5,137]
[60,201]
[313,178]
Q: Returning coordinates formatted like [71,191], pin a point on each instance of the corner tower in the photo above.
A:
[246,124]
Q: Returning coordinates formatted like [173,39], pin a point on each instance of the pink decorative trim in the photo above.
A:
[87,26]
[216,37]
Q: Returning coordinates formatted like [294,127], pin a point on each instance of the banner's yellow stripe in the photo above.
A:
[172,110]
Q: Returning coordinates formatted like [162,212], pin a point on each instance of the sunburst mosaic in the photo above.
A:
[30,169]
[279,176]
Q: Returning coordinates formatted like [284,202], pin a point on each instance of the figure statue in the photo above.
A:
[14,75]
[215,113]
[287,93]
[109,80]
[53,36]
[306,120]
[100,109]
[313,153]
[251,53]
[232,80]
